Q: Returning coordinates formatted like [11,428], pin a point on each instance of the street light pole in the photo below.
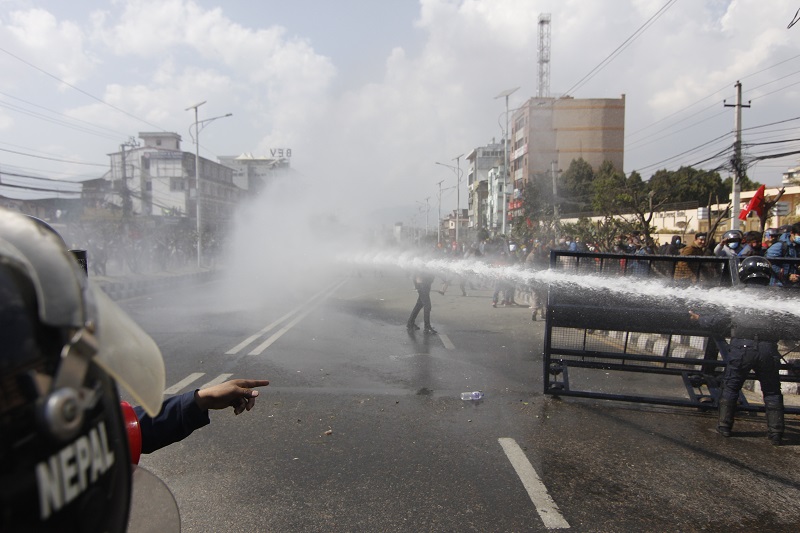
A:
[198,127]
[439,225]
[457,171]
[506,94]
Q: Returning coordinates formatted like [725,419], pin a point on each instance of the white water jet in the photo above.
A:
[779,301]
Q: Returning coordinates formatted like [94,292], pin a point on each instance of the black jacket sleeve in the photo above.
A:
[178,418]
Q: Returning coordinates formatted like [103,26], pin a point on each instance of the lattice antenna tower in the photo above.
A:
[544,56]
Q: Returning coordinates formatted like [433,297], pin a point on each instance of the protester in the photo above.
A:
[422,283]
[683,271]
[751,244]
[730,245]
[785,274]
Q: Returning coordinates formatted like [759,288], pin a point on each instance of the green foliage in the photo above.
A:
[576,187]
[602,233]
[689,184]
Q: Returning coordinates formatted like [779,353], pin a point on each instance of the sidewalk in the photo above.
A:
[120,287]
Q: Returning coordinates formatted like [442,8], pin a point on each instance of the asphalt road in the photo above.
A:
[362,427]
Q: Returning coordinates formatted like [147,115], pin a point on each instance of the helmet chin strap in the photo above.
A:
[63,404]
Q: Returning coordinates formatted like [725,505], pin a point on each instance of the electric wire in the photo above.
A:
[93,97]
[621,47]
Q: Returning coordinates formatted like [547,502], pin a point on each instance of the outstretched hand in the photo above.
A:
[236,393]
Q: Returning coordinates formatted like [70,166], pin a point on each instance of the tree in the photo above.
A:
[689,184]
[616,194]
[575,186]
[601,234]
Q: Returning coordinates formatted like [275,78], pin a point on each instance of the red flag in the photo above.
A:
[756,204]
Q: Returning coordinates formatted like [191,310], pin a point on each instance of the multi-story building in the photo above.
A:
[547,134]
[158,179]
[494,207]
[481,162]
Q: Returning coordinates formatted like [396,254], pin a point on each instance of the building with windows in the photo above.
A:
[547,134]
[155,178]
[482,161]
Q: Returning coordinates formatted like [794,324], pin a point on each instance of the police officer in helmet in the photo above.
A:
[753,346]
[64,457]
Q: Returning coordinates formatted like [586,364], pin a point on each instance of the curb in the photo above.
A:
[121,289]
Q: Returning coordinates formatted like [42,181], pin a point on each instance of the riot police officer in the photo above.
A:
[753,346]
[65,455]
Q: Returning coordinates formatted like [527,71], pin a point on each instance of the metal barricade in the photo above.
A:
[595,340]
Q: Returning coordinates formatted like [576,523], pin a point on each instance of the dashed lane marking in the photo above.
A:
[278,334]
[216,381]
[446,341]
[252,338]
[545,506]
[191,378]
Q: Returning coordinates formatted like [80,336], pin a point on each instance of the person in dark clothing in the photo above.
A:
[753,346]
[422,282]
[181,415]
[751,244]
[674,247]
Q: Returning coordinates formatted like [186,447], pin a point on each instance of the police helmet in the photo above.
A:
[732,235]
[64,457]
[755,270]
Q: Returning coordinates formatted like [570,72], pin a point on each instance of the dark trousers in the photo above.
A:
[761,357]
[423,302]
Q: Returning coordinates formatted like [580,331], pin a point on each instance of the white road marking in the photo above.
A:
[278,334]
[219,379]
[545,506]
[252,338]
[184,382]
[446,341]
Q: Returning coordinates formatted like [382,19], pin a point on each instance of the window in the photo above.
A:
[177,184]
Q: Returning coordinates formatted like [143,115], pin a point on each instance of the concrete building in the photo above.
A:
[158,179]
[481,162]
[494,207]
[548,133]
[252,173]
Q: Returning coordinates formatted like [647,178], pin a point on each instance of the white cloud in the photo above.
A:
[435,98]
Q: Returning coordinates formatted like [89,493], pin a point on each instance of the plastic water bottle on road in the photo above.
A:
[474,395]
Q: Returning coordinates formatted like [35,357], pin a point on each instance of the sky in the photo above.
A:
[370,95]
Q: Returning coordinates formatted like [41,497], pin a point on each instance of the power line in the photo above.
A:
[53,158]
[111,133]
[621,47]
[93,97]
[632,134]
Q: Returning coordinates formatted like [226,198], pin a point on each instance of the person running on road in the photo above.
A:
[422,282]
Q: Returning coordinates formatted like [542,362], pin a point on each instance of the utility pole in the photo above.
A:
[127,206]
[738,166]
[427,211]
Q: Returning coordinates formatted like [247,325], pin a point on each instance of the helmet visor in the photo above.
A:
[129,354]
